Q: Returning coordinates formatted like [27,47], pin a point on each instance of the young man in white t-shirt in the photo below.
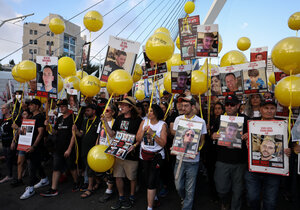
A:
[186,181]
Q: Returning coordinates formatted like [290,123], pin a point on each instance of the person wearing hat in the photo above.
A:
[89,135]
[129,122]
[64,153]
[231,163]
[34,153]
[262,183]
[186,181]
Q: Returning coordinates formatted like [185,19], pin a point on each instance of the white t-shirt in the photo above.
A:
[101,132]
[203,131]
[150,144]
[256,114]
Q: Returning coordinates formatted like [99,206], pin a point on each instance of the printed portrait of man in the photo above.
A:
[231,82]
[267,149]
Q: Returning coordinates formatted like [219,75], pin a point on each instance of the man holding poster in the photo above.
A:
[186,169]
[266,183]
[231,162]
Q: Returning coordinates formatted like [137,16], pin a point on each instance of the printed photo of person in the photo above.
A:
[207,41]
[117,61]
[47,79]
[231,82]
[268,149]
[32,87]
[254,79]
[181,81]
[188,137]
[216,86]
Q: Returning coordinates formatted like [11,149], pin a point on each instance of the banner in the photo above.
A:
[231,131]
[181,78]
[267,141]
[207,40]
[255,77]
[121,54]
[26,134]
[187,138]
[46,76]
[259,54]
[188,36]
[120,145]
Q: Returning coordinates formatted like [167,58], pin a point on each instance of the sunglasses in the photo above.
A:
[190,135]
[230,104]
[107,110]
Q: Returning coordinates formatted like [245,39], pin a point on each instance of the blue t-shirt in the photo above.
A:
[259,81]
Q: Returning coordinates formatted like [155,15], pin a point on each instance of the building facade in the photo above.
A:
[41,41]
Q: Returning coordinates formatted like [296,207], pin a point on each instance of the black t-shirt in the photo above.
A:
[89,137]
[131,126]
[227,155]
[6,132]
[63,126]
[39,123]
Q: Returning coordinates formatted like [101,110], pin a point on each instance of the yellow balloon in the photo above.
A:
[103,84]
[272,78]
[167,82]
[233,57]
[140,95]
[138,72]
[286,55]
[294,21]
[198,83]
[269,84]
[98,160]
[80,74]
[159,47]
[89,86]
[120,82]
[163,30]
[27,70]
[287,91]
[57,25]
[93,21]
[66,67]
[74,81]
[178,42]
[220,46]
[243,43]
[206,67]
[175,61]
[189,7]
[60,84]
[15,75]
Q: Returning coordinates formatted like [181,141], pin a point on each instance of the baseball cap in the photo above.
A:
[267,101]
[232,99]
[189,99]
[63,102]
[36,102]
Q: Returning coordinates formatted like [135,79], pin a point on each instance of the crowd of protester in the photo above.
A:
[149,160]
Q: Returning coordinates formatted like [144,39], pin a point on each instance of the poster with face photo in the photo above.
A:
[259,54]
[207,40]
[188,36]
[283,112]
[255,77]
[26,134]
[85,57]
[231,79]
[150,66]
[46,76]
[216,89]
[187,138]
[267,141]
[279,75]
[181,78]
[120,145]
[121,54]
[296,130]
[231,129]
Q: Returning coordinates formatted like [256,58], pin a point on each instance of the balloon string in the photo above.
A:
[153,88]
[297,33]
[202,144]
[15,119]
[209,94]
[200,104]
[169,107]
[50,126]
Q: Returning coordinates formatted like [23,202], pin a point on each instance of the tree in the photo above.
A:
[12,62]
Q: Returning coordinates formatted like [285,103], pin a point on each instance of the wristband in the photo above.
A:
[134,145]
[154,135]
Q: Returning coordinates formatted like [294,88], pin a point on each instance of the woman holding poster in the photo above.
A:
[153,137]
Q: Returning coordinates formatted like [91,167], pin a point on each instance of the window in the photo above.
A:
[48,33]
[69,45]
[52,43]
[34,51]
[52,34]
[30,41]
[47,52]
[35,32]
[30,51]
[31,31]
[35,41]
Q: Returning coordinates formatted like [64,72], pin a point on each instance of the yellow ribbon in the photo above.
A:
[169,107]
[87,129]
[103,113]
[50,126]
[209,94]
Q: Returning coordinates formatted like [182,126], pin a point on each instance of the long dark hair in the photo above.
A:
[158,112]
